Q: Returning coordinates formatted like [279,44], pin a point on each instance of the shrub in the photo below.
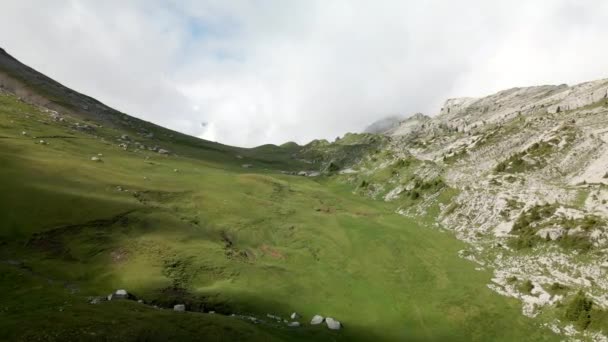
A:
[579,311]
[526,286]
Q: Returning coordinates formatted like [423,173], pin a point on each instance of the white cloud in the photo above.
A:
[271,71]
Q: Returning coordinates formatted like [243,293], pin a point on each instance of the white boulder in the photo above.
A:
[317,319]
[333,324]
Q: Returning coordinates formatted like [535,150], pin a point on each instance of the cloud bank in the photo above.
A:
[253,72]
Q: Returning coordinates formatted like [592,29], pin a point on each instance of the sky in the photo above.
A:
[248,73]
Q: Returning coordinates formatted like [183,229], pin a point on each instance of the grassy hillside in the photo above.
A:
[195,227]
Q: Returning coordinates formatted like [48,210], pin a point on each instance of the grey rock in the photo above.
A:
[95,159]
[163,151]
[96,300]
[179,307]
[294,315]
[293,324]
[333,324]
[317,319]
[120,294]
[273,317]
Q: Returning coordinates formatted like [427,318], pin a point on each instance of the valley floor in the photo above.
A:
[204,231]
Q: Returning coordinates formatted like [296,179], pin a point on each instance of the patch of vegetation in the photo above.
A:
[420,186]
[516,163]
[538,217]
[558,289]
[452,157]
[578,311]
[525,226]
[526,287]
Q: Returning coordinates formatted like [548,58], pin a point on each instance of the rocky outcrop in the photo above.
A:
[383,125]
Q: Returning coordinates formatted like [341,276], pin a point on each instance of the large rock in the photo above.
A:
[333,324]
[275,317]
[119,294]
[317,319]
[179,307]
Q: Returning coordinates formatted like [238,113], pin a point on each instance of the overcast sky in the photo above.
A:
[273,71]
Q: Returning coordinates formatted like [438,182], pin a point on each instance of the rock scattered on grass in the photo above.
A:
[317,319]
[179,307]
[118,294]
[274,317]
[294,315]
[332,323]
[95,159]
[247,166]
[96,300]
[121,294]
[163,151]
[293,324]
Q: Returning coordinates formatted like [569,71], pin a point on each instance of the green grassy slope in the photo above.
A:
[217,237]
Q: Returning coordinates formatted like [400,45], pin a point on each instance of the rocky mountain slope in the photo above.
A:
[527,169]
